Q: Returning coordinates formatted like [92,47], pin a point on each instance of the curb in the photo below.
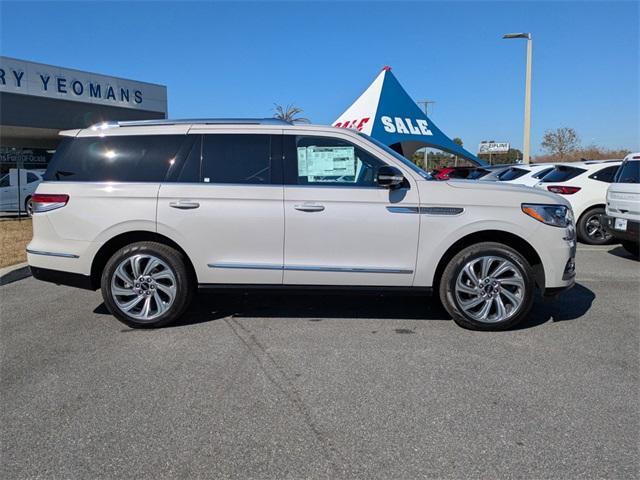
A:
[14,273]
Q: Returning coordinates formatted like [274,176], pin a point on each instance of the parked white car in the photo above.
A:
[528,175]
[584,185]
[622,220]
[149,211]
[16,191]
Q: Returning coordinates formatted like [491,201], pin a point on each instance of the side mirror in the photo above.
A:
[389,177]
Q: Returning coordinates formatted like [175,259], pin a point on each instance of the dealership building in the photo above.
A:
[38,100]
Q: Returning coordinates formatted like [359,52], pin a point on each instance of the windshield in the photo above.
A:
[398,157]
[629,172]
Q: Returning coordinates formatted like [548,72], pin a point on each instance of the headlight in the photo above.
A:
[554,215]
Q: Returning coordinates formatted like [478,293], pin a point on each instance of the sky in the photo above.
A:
[236,59]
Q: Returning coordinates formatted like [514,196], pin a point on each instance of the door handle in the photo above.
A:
[309,207]
[184,205]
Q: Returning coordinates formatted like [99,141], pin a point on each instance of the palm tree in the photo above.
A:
[289,113]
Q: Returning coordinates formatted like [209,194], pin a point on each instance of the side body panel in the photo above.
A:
[95,213]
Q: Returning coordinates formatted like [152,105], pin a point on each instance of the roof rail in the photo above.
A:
[205,121]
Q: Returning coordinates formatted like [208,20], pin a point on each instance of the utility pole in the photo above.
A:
[425,104]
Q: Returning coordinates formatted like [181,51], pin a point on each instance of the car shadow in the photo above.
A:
[315,307]
[570,305]
[619,251]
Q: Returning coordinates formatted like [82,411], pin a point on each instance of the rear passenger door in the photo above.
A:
[224,207]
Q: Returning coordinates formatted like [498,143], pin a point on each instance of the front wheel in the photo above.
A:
[146,284]
[487,286]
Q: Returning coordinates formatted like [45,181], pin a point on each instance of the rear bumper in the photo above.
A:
[59,277]
[632,233]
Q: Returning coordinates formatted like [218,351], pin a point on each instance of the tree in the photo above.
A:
[457,141]
[560,142]
[289,113]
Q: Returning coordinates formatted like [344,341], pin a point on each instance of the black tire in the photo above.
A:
[632,247]
[599,236]
[175,262]
[459,261]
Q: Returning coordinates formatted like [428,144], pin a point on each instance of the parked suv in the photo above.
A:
[149,211]
[622,219]
[585,185]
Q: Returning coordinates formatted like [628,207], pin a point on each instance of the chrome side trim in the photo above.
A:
[308,268]
[441,210]
[428,210]
[246,266]
[52,254]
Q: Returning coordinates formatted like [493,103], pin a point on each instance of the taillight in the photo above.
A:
[563,190]
[45,202]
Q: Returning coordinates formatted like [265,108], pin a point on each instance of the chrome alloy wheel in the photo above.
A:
[490,289]
[143,287]
[595,229]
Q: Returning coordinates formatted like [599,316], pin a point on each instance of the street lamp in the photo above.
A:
[527,95]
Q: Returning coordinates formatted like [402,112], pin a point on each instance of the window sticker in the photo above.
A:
[316,161]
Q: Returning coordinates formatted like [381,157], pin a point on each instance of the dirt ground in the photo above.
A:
[14,237]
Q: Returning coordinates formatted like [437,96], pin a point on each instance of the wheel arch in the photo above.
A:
[115,243]
[499,236]
[586,210]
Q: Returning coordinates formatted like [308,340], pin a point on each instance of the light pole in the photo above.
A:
[527,95]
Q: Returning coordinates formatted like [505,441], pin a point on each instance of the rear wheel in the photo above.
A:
[28,206]
[146,284]
[590,228]
[632,247]
[487,286]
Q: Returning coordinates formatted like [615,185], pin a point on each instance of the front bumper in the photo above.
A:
[631,233]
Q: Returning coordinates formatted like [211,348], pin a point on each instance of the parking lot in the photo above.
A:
[321,386]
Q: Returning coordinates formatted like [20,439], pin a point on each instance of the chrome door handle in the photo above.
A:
[309,207]
[184,205]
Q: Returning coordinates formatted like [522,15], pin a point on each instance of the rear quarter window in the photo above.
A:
[542,173]
[562,173]
[605,174]
[511,174]
[135,158]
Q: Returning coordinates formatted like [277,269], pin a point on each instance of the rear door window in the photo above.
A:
[629,172]
[135,158]
[605,175]
[562,173]
[237,158]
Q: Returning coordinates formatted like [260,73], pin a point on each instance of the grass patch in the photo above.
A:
[14,237]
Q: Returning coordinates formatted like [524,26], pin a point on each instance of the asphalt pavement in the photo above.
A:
[317,386]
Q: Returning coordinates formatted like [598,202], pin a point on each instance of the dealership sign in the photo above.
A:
[40,80]
[493,147]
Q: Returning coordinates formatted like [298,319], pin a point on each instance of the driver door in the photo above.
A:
[341,227]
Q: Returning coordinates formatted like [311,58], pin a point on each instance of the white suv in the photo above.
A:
[585,185]
[149,211]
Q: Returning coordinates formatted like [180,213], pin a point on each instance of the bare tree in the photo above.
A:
[289,113]
[560,142]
